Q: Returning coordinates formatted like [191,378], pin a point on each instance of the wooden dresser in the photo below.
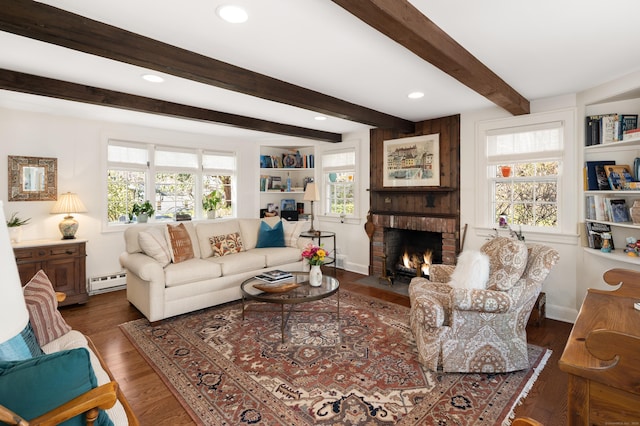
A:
[64,262]
[602,355]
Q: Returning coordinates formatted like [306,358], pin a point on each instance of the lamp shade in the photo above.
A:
[311,193]
[68,203]
[13,310]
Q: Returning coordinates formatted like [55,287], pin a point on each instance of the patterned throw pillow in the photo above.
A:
[223,245]
[181,247]
[508,259]
[153,243]
[42,305]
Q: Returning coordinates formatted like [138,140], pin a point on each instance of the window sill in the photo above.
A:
[532,236]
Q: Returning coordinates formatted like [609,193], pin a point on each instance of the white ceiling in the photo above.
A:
[541,48]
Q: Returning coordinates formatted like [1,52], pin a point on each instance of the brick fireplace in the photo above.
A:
[428,215]
[444,226]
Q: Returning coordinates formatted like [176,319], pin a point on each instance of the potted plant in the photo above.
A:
[15,227]
[142,211]
[212,202]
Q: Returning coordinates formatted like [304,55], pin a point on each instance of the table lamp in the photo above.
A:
[311,194]
[68,203]
[14,316]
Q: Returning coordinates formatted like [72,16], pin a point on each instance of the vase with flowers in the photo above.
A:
[315,256]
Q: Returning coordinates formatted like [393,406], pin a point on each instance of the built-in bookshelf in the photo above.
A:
[609,189]
[284,174]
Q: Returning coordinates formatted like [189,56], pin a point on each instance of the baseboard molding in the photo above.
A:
[561,313]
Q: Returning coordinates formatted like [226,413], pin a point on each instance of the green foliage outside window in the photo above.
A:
[529,197]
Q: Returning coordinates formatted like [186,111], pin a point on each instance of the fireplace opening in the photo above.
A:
[409,253]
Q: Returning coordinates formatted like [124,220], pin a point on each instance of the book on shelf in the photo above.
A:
[596,179]
[625,123]
[594,234]
[274,276]
[631,134]
[618,210]
[608,128]
[592,130]
[590,207]
[618,175]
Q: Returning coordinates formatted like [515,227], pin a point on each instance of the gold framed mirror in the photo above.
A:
[33,178]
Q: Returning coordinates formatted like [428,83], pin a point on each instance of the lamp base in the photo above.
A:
[68,228]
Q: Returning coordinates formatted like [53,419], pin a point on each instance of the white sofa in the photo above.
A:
[160,291]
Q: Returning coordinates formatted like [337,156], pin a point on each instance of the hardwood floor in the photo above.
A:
[154,404]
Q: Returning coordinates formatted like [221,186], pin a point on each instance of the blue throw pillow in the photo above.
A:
[35,386]
[270,237]
[21,347]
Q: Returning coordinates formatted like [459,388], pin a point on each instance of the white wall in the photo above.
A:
[78,146]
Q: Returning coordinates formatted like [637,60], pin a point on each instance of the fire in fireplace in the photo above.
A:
[409,253]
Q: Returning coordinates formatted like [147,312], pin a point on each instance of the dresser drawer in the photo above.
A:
[48,252]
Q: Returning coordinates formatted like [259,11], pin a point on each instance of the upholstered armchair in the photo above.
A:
[480,330]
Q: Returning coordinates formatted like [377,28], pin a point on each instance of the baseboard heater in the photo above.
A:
[105,283]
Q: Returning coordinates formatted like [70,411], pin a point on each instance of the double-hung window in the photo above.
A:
[524,164]
[174,180]
[218,173]
[127,177]
[339,176]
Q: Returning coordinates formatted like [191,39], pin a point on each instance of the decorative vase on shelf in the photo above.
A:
[315,276]
[635,212]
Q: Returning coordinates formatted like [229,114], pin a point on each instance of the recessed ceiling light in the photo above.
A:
[415,95]
[232,13]
[153,78]
[320,118]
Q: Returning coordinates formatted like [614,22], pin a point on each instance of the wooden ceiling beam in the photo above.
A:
[52,25]
[405,24]
[43,86]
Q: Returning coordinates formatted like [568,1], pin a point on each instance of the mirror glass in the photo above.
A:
[33,178]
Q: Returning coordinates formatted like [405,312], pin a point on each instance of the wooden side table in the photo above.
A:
[319,235]
[64,262]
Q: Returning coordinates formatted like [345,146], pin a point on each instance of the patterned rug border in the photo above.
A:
[506,415]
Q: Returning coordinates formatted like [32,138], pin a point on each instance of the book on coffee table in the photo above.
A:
[274,276]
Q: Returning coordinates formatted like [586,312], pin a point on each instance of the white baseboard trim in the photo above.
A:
[561,313]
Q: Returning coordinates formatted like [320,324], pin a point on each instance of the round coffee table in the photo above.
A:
[302,294]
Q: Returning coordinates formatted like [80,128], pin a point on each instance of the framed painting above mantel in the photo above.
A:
[412,162]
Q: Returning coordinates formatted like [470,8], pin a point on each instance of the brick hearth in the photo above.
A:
[446,226]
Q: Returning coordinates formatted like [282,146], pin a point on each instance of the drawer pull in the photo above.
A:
[42,253]
[69,252]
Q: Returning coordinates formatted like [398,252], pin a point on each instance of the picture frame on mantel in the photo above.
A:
[413,161]
[32,178]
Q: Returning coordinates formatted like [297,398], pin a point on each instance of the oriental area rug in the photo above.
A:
[362,370]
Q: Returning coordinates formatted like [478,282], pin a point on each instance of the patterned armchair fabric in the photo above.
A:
[468,330]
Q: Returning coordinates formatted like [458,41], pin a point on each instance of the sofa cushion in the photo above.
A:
[223,245]
[153,242]
[508,259]
[207,230]
[292,230]
[270,236]
[75,339]
[181,244]
[250,228]
[35,386]
[280,256]
[190,271]
[20,347]
[239,262]
[42,305]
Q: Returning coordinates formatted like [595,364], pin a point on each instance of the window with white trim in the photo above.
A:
[339,182]
[173,179]
[523,168]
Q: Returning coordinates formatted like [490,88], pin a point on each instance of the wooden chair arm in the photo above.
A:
[100,398]
[526,421]
[9,417]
